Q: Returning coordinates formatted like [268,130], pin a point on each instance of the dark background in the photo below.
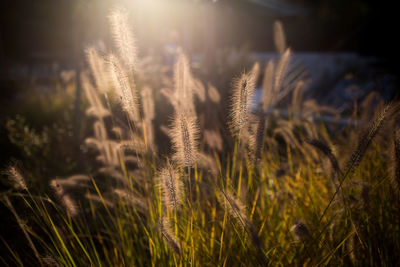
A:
[54,30]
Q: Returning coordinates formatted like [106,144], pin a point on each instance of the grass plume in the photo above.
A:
[98,68]
[242,99]
[65,199]
[16,178]
[126,91]
[171,186]
[183,82]
[281,70]
[124,38]
[185,138]
[268,86]
[169,237]
[366,138]
[279,37]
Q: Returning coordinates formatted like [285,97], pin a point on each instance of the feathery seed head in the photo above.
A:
[126,92]
[255,72]
[242,99]
[235,207]
[279,37]
[65,199]
[96,107]
[70,205]
[268,89]
[367,137]
[16,178]
[185,134]
[98,68]
[55,184]
[281,70]
[171,186]
[108,148]
[168,235]
[297,98]
[237,210]
[184,83]
[123,37]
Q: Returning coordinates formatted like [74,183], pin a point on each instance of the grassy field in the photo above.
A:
[209,179]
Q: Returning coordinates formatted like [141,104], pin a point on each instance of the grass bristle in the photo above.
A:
[65,199]
[98,68]
[242,99]
[16,178]
[268,86]
[279,37]
[185,138]
[169,237]
[171,186]
[184,84]
[366,138]
[123,37]
[281,70]
[235,207]
[125,89]
[96,108]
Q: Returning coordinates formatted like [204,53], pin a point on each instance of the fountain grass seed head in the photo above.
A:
[185,134]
